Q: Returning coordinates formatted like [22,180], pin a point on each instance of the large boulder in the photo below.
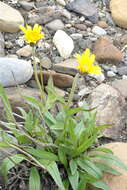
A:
[116,182]
[119,12]
[10,18]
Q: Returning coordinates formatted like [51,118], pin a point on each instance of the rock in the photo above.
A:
[61,2]
[68,66]
[63,43]
[83,44]
[45,14]
[110,108]
[46,63]
[10,21]
[60,80]
[2,53]
[60,92]
[15,96]
[85,8]
[123,39]
[14,71]
[81,27]
[124,77]
[122,70]
[26,51]
[26,5]
[116,182]
[111,74]
[99,78]
[119,13]
[98,31]
[120,85]
[55,25]
[106,51]
[102,24]
[76,36]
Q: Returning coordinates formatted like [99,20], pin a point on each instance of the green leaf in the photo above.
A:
[107,169]
[10,163]
[73,166]
[83,147]
[4,145]
[62,156]
[101,185]
[7,106]
[90,168]
[79,129]
[102,149]
[83,182]
[54,172]
[74,180]
[42,154]
[113,160]
[34,179]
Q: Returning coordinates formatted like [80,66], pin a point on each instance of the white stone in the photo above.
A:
[63,43]
[111,74]
[61,2]
[14,71]
[124,77]
[98,31]
[10,18]
[99,78]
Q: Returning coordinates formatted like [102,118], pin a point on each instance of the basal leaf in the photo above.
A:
[34,179]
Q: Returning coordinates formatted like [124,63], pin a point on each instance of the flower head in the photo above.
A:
[86,63]
[32,35]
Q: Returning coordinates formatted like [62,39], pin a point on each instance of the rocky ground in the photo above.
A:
[69,27]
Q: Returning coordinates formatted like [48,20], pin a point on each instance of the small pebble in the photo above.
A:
[99,31]
[111,74]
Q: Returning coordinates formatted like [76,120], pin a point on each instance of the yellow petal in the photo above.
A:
[22,28]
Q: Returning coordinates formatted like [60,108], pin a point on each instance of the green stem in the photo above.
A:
[70,99]
[40,86]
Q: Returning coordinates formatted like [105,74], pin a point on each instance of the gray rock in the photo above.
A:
[2,53]
[76,36]
[83,44]
[27,5]
[14,71]
[85,8]
[55,25]
[122,70]
[110,109]
[98,31]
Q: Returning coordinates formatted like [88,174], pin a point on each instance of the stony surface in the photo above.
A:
[85,8]
[116,182]
[106,51]
[120,85]
[107,99]
[69,67]
[16,99]
[10,21]
[119,13]
[2,44]
[78,21]
[14,71]
[60,80]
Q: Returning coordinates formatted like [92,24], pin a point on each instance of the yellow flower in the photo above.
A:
[32,35]
[86,63]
